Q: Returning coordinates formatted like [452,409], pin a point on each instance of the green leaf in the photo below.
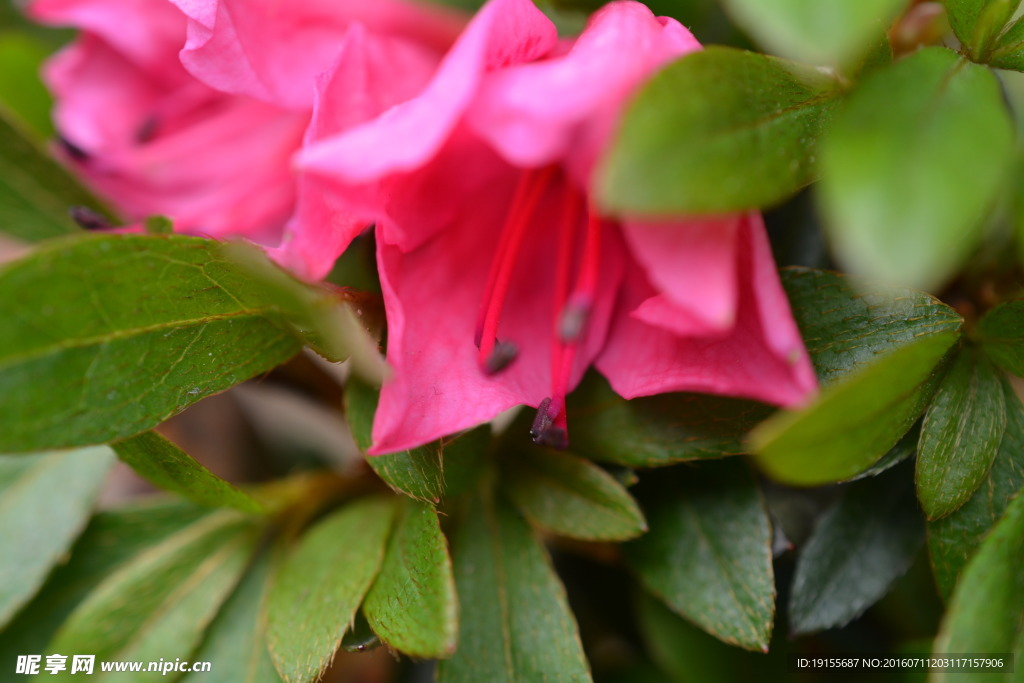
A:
[953,539]
[36,526]
[168,467]
[977,22]
[1001,335]
[236,641]
[913,162]
[516,623]
[322,582]
[570,496]
[960,434]
[875,351]
[21,91]
[35,191]
[872,410]
[827,32]
[85,359]
[159,604]
[426,473]
[685,652]
[904,449]
[1008,52]
[848,323]
[657,430]
[708,553]
[861,545]
[110,540]
[412,604]
[985,612]
[719,130]
[327,318]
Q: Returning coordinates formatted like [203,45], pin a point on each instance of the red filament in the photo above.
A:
[575,288]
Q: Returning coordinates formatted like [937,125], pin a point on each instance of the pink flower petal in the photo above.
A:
[371,74]
[541,112]
[433,294]
[693,265]
[761,358]
[410,134]
[145,31]
[274,50]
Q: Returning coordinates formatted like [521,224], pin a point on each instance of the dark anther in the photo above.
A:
[73,150]
[554,437]
[501,357]
[88,219]
[544,432]
[147,131]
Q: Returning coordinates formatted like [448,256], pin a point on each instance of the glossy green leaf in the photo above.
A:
[719,130]
[321,583]
[426,473]
[859,547]
[85,359]
[168,467]
[913,162]
[516,624]
[827,32]
[984,615]
[708,553]
[1001,334]
[36,526]
[412,604]
[1008,51]
[977,22]
[21,90]
[848,323]
[960,434]
[871,410]
[35,191]
[236,642]
[159,604]
[570,496]
[111,539]
[875,351]
[953,539]
[657,430]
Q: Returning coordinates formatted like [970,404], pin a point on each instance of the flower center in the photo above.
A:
[576,277]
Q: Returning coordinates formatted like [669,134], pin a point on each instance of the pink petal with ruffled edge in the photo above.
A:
[533,113]
[274,50]
[403,138]
[371,74]
[762,357]
[145,31]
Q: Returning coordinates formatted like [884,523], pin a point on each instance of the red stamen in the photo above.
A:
[563,274]
[528,194]
[572,313]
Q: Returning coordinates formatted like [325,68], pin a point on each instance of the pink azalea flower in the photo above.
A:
[205,134]
[503,282]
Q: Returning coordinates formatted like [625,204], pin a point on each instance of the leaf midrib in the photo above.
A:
[126,333]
